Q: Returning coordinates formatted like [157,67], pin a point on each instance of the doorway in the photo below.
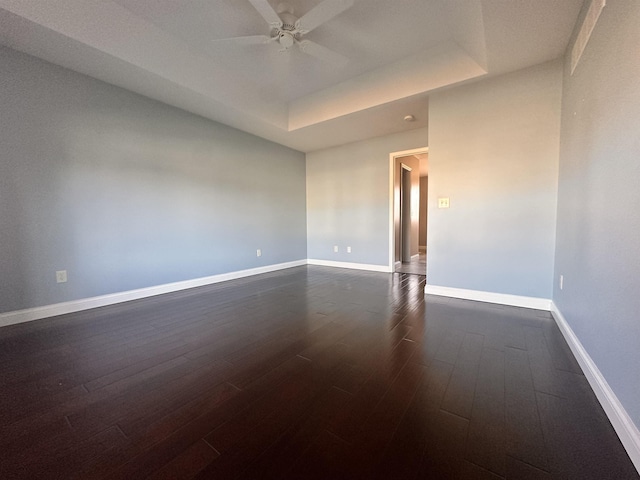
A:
[405,253]
[407,218]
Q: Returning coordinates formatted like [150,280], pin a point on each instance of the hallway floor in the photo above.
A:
[417,266]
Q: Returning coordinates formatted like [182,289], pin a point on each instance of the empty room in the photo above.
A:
[319,239]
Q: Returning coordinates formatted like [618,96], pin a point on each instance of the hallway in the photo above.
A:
[417,266]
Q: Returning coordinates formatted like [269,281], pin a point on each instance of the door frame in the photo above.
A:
[392,179]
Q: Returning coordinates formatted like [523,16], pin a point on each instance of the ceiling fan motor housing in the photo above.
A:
[286,39]
[287,34]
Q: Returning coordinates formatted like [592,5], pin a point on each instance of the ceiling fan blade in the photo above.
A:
[265,9]
[322,53]
[321,13]
[250,40]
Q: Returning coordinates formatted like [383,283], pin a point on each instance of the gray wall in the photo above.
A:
[348,198]
[125,192]
[493,150]
[598,241]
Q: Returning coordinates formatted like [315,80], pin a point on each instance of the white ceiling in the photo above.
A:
[399,51]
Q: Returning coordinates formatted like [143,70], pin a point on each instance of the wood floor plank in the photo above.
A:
[348,423]
[246,437]
[377,431]
[327,457]
[565,420]
[469,470]
[188,464]
[524,438]
[140,401]
[561,354]
[148,429]
[403,455]
[517,470]
[450,346]
[546,377]
[458,398]
[444,446]
[277,461]
[486,442]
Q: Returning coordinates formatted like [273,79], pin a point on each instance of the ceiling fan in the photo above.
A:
[287,30]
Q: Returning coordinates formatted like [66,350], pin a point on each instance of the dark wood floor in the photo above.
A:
[309,372]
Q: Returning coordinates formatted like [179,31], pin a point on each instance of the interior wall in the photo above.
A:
[598,247]
[493,151]
[348,198]
[422,227]
[124,192]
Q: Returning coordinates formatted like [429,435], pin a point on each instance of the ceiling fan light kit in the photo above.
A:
[288,30]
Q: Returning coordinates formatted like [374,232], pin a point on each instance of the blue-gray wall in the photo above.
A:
[493,151]
[598,239]
[124,192]
[348,198]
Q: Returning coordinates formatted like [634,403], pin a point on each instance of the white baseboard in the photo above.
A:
[354,266]
[37,313]
[490,297]
[618,416]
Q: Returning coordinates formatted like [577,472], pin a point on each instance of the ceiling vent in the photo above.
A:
[587,27]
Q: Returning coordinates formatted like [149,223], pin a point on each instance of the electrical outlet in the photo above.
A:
[348,249]
[561,281]
[258,252]
[61,276]
[335,248]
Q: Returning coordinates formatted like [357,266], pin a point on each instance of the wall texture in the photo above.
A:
[598,241]
[124,192]
[493,150]
[348,198]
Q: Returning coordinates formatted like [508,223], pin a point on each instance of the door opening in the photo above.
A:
[406,218]
[405,214]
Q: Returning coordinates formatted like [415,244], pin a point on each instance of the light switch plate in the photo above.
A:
[443,202]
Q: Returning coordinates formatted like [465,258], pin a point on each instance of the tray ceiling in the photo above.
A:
[399,51]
